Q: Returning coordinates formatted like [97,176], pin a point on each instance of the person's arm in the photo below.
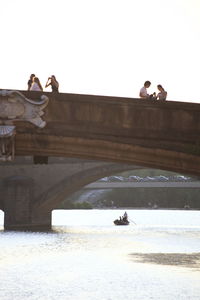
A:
[40,86]
[29,85]
[48,83]
[143,93]
[55,83]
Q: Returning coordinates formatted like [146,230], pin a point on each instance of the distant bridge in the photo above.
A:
[148,184]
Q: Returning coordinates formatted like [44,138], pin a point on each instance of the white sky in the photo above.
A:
[103,47]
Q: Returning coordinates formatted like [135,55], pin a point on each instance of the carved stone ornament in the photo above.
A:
[14,106]
[7,142]
[7,131]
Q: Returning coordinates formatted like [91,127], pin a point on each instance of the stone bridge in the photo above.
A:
[156,134]
[109,134]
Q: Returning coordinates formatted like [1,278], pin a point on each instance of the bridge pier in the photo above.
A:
[18,206]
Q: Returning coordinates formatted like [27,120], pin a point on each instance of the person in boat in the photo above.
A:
[125,217]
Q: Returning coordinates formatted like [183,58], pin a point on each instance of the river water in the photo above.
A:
[86,257]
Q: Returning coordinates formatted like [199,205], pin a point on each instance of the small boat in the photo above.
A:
[121,222]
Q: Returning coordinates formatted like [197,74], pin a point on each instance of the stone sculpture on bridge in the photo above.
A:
[7,143]
[14,106]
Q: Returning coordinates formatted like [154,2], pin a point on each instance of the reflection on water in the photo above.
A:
[87,257]
[191,260]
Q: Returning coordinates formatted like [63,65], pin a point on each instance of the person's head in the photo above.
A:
[53,77]
[36,79]
[32,76]
[147,84]
[160,88]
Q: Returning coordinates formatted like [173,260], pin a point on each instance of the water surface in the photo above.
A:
[87,257]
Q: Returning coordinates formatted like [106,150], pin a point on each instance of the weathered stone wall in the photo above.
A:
[164,135]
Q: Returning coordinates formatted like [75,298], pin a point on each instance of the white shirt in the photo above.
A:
[35,87]
[143,93]
[162,95]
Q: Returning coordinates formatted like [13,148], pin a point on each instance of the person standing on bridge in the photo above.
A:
[162,95]
[36,85]
[53,83]
[30,81]
[143,91]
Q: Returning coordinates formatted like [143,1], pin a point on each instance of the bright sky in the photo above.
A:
[103,47]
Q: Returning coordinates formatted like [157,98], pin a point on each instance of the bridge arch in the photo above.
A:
[72,183]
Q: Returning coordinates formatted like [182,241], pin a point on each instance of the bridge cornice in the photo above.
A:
[112,152]
[156,134]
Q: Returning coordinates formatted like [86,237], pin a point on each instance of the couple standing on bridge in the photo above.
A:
[35,85]
[162,95]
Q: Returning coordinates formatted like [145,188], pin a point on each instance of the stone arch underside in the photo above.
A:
[149,153]
[146,157]
[50,199]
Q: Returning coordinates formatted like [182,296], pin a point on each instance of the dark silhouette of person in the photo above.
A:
[30,81]
[53,83]
[125,217]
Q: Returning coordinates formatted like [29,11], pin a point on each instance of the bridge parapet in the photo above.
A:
[158,134]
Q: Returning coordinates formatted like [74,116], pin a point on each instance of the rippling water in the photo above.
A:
[87,257]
